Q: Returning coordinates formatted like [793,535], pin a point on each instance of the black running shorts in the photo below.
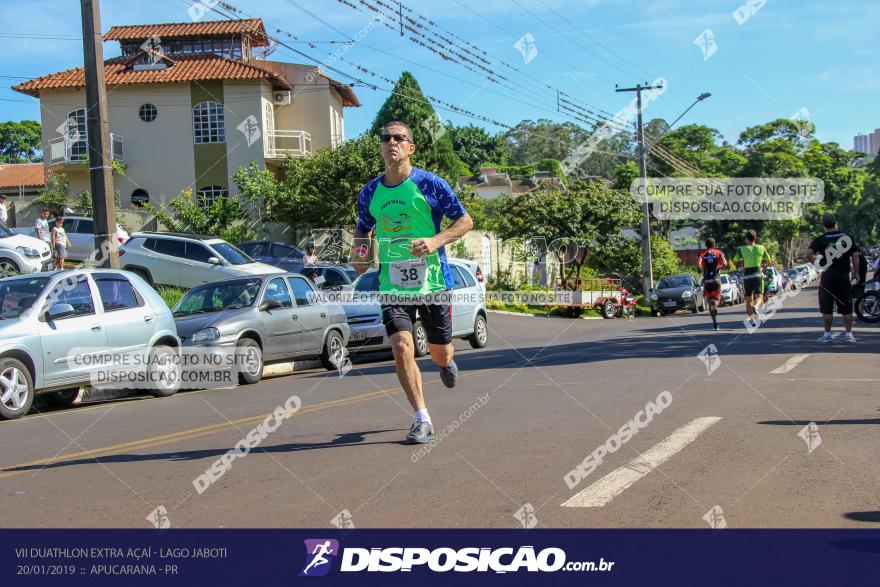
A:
[753,283]
[835,289]
[436,318]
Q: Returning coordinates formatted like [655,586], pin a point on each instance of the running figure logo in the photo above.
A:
[317,553]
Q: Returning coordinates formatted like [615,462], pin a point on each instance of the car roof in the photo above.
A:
[189,235]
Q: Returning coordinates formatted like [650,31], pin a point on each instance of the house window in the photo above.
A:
[209,194]
[270,119]
[148,112]
[75,135]
[139,197]
[209,125]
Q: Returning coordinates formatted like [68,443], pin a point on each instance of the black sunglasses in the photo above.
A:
[397,138]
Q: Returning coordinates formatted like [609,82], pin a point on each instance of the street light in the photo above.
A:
[647,264]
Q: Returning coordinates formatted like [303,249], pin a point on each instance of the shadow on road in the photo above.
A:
[831,423]
[341,440]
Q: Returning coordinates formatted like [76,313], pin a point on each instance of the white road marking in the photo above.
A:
[790,364]
[617,481]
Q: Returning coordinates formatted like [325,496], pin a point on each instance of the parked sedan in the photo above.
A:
[469,319]
[677,292]
[261,319]
[58,329]
[773,281]
[730,292]
[286,256]
[81,232]
[329,277]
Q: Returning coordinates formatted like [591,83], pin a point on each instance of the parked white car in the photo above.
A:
[20,254]
[186,260]
[730,293]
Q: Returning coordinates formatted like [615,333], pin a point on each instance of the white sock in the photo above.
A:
[423,415]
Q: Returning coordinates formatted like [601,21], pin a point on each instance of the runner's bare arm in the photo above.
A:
[360,254]
[426,246]
[810,255]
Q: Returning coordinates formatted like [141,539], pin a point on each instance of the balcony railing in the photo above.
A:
[64,150]
[281,143]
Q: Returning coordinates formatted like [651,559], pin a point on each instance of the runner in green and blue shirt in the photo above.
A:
[403,209]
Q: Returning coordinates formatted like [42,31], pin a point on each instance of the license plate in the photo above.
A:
[356,336]
[670,304]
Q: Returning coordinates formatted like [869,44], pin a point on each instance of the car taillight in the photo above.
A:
[121,252]
[479,275]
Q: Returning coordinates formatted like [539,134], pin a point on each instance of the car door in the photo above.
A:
[283,324]
[71,345]
[196,270]
[312,314]
[166,264]
[129,320]
[462,312]
[82,239]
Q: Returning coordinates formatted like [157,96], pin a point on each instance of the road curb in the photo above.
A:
[506,313]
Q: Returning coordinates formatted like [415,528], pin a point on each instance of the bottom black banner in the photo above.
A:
[436,557]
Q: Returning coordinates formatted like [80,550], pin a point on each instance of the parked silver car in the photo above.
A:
[469,319]
[261,319]
[81,232]
[56,326]
[186,260]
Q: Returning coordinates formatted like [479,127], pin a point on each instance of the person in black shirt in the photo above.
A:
[711,262]
[839,268]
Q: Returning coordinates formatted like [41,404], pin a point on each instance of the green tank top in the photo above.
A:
[403,214]
[751,255]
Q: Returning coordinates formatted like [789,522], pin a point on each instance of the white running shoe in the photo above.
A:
[849,337]
[826,337]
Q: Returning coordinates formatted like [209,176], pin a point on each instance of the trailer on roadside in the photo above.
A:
[606,295]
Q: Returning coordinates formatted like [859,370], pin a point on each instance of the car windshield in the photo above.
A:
[725,280]
[367,282]
[215,297]
[233,255]
[674,281]
[17,295]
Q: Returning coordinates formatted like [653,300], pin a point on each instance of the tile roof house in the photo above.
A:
[490,183]
[189,104]
[22,179]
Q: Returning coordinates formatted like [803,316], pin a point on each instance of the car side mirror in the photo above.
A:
[214,260]
[270,305]
[59,311]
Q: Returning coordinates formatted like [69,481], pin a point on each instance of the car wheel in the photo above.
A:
[608,310]
[333,357]
[248,361]
[60,399]
[420,339]
[16,389]
[480,338]
[8,268]
[164,371]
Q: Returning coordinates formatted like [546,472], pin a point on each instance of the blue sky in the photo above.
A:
[790,54]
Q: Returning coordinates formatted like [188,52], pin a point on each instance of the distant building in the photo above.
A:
[21,180]
[188,105]
[867,143]
[490,183]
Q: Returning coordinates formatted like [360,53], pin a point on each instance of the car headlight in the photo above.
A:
[28,252]
[206,335]
[687,294]
[654,297]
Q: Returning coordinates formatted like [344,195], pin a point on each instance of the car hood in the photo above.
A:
[189,325]
[256,268]
[23,240]
[671,292]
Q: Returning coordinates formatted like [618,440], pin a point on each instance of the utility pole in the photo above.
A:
[647,266]
[100,157]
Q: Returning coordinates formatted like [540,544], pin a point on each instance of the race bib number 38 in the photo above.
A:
[409,274]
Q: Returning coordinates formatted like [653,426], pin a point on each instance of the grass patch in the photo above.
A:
[170,295]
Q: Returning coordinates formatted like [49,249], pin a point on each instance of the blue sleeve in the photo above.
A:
[365,220]
[440,195]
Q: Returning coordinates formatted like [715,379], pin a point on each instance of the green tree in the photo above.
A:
[530,141]
[225,218]
[434,150]
[476,147]
[20,142]
[56,194]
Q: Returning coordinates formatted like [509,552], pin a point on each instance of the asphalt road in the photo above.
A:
[553,391]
